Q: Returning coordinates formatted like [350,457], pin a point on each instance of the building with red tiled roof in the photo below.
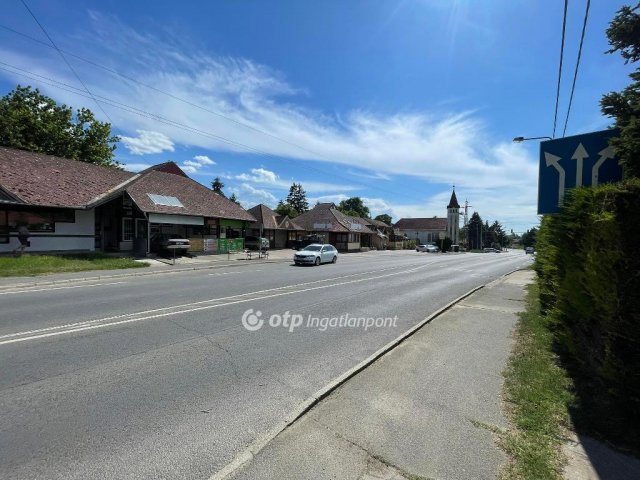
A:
[69,205]
[344,232]
[429,230]
[281,230]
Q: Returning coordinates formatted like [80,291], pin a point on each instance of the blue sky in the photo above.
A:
[392,101]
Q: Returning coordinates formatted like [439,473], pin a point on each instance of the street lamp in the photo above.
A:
[522,139]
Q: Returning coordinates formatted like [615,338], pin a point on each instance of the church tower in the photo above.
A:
[453,219]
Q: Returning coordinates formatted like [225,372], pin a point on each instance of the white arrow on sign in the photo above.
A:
[552,161]
[604,156]
[579,155]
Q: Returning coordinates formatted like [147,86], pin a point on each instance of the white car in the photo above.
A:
[315,254]
[427,248]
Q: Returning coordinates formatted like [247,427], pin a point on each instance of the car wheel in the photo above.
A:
[335,259]
[317,261]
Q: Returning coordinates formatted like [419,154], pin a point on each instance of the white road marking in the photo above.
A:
[233,299]
[24,289]
[231,273]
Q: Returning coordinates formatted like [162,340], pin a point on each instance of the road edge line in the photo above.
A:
[259,443]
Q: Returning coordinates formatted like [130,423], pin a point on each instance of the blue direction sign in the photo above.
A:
[573,161]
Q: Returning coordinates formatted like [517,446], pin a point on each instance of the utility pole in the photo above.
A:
[466,215]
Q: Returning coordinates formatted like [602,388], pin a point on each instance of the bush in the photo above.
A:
[589,277]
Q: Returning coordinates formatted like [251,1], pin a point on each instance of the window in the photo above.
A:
[165,200]
[64,216]
[4,227]
[36,221]
[127,229]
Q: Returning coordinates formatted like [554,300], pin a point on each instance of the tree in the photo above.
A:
[529,237]
[234,199]
[32,121]
[284,209]
[475,231]
[497,235]
[297,198]
[624,106]
[384,218]
[354,207]
[217,186]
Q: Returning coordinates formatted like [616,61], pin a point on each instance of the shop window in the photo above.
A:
[4,227]
[64,216]
[38,221]
[127,229]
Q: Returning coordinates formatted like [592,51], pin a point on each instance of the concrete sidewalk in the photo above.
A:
[424,410]
[157,266]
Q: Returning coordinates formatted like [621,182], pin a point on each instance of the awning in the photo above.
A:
[175,219]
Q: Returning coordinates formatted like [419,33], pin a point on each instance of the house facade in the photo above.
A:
[72,206]
[280,230]
[429,230]
[342,231]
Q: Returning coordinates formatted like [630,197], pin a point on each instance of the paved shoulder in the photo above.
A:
[425,409]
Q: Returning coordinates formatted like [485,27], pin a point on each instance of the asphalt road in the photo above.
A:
[156,377]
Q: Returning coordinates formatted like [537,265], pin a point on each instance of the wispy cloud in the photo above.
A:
[147,142]
[224,92]
[268,178]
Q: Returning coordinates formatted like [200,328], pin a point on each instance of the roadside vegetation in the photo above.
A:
[31,265]
[538,395]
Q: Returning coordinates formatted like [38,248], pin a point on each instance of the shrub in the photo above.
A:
[589,277]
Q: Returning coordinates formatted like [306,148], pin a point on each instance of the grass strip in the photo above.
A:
[32,265]
[538,395]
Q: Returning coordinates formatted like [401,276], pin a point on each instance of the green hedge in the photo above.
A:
[588,265]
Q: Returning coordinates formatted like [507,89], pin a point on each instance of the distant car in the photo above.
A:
[529,250]
[429,248]
[315,254]
[256,243]
[489,250]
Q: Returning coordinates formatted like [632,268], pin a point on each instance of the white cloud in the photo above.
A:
[250,196]
[147,142]
[136,167]
[203,160]
[441,148]
[189,169]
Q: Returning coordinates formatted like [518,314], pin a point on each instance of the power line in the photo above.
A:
[168,94]
[143,113]
[564,27]
[575,73]
[65,60]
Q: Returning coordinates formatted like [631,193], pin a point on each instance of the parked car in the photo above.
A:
[315,254]
[256,243]
[529,250]
[165,243]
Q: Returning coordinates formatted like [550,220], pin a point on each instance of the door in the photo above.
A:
[140,243]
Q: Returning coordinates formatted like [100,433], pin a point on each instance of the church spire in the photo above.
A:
[453,203]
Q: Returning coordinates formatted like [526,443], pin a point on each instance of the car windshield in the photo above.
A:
[313,248]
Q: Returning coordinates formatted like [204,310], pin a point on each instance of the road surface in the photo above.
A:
[156,376]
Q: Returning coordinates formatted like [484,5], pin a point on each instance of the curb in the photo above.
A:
[259,443]
[138,274]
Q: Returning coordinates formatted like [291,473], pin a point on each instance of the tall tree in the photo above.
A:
[475,230]
[297,198]
[624,106]
[529,237]
[384,218]
[285,209]
[217,186]
[234,199]
[32,121]
[355,207]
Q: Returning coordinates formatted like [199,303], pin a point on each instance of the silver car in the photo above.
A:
[315,254]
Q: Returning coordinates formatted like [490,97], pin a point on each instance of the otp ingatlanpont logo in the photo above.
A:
[252,321]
